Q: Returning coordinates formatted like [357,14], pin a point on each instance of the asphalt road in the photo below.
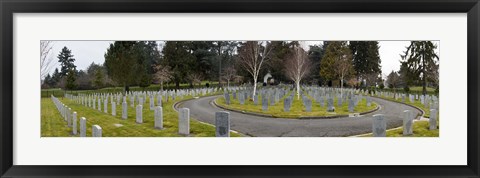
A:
[203,109]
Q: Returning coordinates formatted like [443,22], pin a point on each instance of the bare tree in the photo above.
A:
[162,74]
[252,56]
[229,74]
[297,66]
[343,68]
[393,80]
[45,58]
[195,78]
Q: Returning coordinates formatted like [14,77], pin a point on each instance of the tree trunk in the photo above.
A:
[254,87]
[341,88]
[424,83]
[177,84]
[297,83]
[161,86]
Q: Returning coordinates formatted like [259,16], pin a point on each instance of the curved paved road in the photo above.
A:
[204,110]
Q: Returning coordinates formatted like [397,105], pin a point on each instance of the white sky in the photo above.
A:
[86,52]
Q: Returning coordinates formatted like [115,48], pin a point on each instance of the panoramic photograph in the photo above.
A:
[239,88]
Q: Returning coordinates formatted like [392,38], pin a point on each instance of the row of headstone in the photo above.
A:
[71,119]
[379,123]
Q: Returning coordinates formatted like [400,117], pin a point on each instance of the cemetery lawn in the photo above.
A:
[297,109]
[420,129]
[53,125]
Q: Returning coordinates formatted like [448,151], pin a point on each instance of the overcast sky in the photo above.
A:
[86,52]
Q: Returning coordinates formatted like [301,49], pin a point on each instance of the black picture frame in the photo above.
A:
[9,7]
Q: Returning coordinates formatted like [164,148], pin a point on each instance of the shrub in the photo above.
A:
[406,89]
[381,86]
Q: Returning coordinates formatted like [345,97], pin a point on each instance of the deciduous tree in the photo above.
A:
[297,66]
[252,56]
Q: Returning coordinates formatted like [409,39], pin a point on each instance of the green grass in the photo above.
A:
[420,129]
[53,124]
[420,89]
[297,109]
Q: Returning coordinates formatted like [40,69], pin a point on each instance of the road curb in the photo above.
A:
[181,101]
[396,128]
[301,117]
[421,110]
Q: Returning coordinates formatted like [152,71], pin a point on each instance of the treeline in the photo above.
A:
[333,63]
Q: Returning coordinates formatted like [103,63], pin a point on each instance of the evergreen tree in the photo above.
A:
[366,59]
[56,77]
[419,62]
[180,58]
[71,77]
[68,68]
[276,64]
[334,51]
[121,64]
[315,53]
[47,80]
[98,78]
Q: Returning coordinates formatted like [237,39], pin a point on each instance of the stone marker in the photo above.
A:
[184,121]
[227,98]
[330,107]
[241,99]
[96,131]
[379,125]
[255,100]
[83,127]
[114,108]
[407,122]
[222,124]
[159,100]
[351,105]
[152,104]
[132,102]
[308,105]
[433,119]
[124,110]
[74,120]
[286,104]
[272,100]
[105,106]
[139,118]
[369,101]
[264,103]
[69,117]
[158,117]
[99,105]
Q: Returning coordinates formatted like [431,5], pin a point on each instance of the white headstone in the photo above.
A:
[407,122]
[96,131]
[139,118]
[83,127]
[222,124]
[74,120]
[184,121]
[158,117]
[379,125]
[124,110]
[433,119]
[114,108]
